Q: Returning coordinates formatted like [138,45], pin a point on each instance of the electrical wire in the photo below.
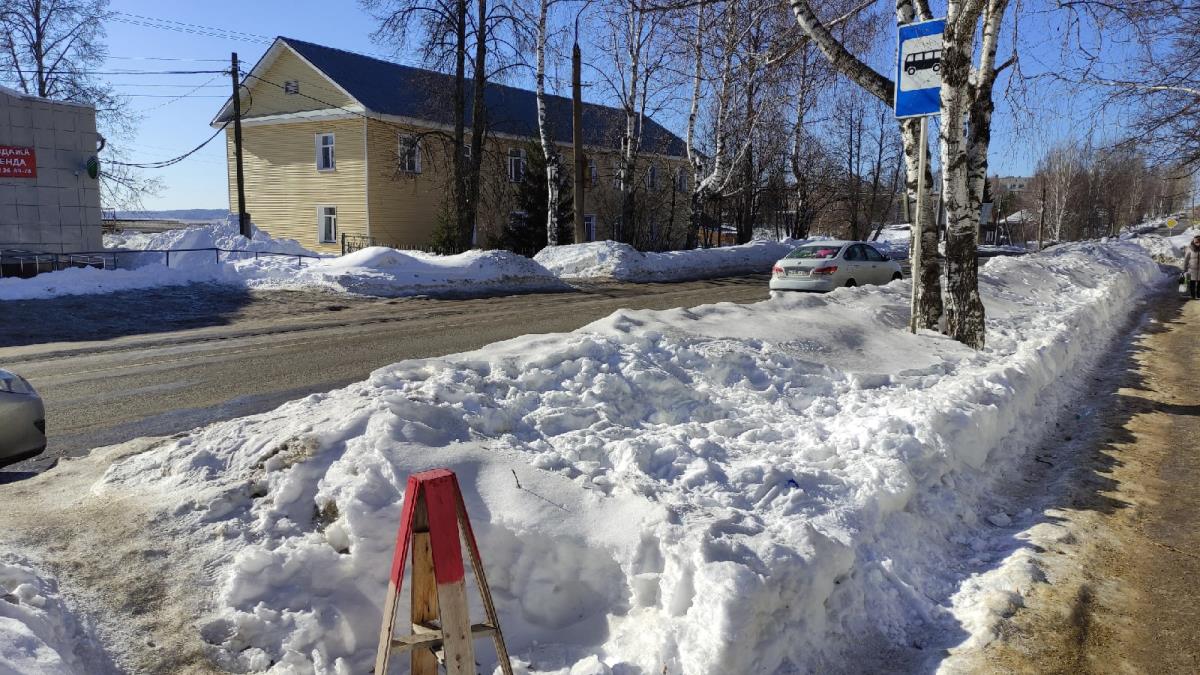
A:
[174,160]
[190,28]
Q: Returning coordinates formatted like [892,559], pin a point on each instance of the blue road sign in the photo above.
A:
[919,68]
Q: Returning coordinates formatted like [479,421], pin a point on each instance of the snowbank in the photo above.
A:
[622,262]
[374,271]
[795,485]
[1167,250]
[38,633]
[386,272]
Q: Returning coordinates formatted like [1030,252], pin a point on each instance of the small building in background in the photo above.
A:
[49,189]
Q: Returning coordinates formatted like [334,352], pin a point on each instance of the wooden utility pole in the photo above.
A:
[243,217]
[577,137]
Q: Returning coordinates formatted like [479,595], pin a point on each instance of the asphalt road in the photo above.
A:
[115,367]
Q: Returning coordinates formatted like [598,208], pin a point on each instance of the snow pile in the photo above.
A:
[224,235]
[38,633]
[373,271]
[622,262]
[386,272]
[1167,250]
[795,485]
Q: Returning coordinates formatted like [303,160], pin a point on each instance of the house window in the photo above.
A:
[681,180]
[516,165]
[410,154]
[466,151]
[327,224]
[618,184]
[593,174]
[325,161]
[291,87]
[652,177]
[589,227]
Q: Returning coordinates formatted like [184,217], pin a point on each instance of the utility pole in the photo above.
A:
[577,136]
[243,217]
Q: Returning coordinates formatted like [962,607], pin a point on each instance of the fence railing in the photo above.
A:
[30,263]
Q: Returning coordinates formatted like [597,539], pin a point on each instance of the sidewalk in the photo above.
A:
[1124,591]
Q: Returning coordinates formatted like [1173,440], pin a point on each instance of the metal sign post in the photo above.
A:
[918,94]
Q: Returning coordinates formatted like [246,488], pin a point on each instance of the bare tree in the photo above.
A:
[48,48]
[927,296]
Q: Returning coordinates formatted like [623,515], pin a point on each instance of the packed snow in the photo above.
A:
[794,485]
[39,634]
[622,262]
[379,271]
[373,271]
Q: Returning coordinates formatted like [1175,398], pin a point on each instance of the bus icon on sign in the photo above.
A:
[930,60]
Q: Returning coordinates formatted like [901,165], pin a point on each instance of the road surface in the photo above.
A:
[164,361]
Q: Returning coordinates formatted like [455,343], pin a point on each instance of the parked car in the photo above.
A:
[826,265]
[22,419]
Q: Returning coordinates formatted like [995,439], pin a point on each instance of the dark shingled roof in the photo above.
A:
[394,89]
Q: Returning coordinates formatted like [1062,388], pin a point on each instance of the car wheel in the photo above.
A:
[897,276]
[851,283]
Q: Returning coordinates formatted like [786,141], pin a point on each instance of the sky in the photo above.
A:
[151,35]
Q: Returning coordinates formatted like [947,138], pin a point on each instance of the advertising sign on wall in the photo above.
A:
[17,162]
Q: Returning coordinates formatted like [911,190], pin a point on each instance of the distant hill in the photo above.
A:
[176,214]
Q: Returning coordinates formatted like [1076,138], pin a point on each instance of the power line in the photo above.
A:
[132,72]
[164,58]
[191,28]
[174,160]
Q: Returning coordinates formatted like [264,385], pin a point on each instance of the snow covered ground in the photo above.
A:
[39,635]
[381,271]
[798,485]
[622,262]
[373,271]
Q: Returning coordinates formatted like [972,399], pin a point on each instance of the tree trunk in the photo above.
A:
[553,160]
[478,128]
[923,242]
[964,308]
[462,216]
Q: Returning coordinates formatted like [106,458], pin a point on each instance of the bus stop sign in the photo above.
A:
[919,68]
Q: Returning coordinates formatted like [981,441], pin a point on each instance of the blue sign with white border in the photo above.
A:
[919,68]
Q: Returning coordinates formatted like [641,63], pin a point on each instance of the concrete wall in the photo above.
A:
[59,210]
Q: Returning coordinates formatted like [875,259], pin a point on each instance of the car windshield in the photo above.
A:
[816,251]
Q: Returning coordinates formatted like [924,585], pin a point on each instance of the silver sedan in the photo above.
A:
[826,265]
[22,419]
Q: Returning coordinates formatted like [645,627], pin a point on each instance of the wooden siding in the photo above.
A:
[284,187]
[405,206]
[268,98]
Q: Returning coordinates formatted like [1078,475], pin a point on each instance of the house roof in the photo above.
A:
[387,88]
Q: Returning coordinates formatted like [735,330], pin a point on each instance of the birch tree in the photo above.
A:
[967,93]
[927,295]
[549,149]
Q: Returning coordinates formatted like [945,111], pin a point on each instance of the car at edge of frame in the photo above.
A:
[22,419]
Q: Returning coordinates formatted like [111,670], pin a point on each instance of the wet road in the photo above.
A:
[115,367]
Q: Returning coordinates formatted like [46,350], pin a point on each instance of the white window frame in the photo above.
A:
[681,180]
[409,144]
[319,141]
[589,227]
[519,157]
[618,184]
[593,172]
[321,215]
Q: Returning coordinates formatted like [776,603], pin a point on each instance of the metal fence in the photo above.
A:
[16,263]
[355,242]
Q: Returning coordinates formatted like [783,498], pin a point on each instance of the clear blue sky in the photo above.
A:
[171,127]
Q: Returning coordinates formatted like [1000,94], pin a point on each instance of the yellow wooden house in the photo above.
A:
[340,146]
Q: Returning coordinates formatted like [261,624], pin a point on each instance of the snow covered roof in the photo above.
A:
[387,88]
